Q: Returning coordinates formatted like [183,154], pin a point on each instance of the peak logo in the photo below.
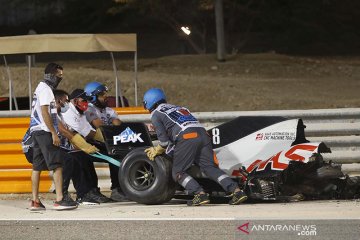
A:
[126,136]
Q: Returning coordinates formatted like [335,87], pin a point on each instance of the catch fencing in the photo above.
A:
[339,129]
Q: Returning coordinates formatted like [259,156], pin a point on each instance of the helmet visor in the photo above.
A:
[144,104]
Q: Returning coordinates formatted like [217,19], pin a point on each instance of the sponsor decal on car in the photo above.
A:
[280,161]
[286,136]
[126,136]
[259,136]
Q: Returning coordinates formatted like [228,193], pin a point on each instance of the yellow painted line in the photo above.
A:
[12,135]
[14,122]
[131,110]
[14,161]
[15,171]
[19,181]
[10,148]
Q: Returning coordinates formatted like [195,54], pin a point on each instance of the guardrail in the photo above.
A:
[338,128]
[15,171]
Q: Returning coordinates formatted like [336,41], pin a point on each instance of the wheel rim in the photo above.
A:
[142,175]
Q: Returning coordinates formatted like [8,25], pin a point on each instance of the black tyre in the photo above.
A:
[145,181]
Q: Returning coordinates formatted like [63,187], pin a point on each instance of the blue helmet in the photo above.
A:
[152,97]
[94,88]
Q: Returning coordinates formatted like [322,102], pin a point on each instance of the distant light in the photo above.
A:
[186,30]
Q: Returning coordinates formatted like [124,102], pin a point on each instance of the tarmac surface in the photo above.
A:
[128,220]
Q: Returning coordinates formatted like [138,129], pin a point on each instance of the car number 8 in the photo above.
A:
[216,136]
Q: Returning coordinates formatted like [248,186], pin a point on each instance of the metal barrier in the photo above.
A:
[338,128]
[15,171]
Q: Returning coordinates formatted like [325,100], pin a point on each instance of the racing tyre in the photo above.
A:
[145,181]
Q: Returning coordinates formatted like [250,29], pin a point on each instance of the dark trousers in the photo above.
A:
[77,169]
[68,173]
[114,170]
[193,146]
[114,176]
[46,156]
[85,162]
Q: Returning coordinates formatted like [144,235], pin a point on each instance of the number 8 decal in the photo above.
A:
[216,136]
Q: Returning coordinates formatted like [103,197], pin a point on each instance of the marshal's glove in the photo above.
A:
[152,152]
[98,136]
[80,142]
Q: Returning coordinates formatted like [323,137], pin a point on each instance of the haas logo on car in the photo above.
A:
[280,161]
[126,136]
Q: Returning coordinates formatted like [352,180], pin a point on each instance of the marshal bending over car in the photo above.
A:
[269,156]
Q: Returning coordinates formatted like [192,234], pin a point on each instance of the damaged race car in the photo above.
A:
[268,156]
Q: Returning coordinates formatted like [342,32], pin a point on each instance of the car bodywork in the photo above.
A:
[268,156]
